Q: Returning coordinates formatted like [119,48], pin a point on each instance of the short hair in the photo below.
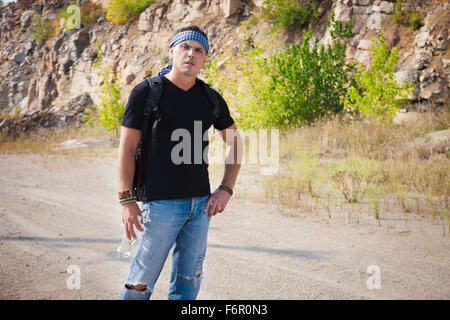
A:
[189,28]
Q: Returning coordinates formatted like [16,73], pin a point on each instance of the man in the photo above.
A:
[179,203]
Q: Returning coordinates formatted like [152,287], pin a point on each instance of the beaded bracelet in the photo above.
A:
[128,200]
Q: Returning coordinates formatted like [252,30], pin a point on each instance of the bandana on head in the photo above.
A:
[182,36]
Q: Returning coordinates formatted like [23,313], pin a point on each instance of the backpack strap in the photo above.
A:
[213,99]
[151,110]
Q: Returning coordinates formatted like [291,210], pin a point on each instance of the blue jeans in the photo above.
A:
[181,224]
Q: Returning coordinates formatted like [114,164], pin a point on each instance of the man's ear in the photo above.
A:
[204,61]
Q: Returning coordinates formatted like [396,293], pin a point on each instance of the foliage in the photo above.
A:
[73,15]
[67,15]
[414,21]
[41,27]
[90,12]
[297,85]
[11,117]
[376,92]
[397,10]
[124,11]
[111,110]
[285,13]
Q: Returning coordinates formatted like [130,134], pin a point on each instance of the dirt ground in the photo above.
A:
[59,214]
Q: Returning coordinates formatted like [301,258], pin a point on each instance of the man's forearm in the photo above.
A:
[233,159]
[230,175]
[125,169]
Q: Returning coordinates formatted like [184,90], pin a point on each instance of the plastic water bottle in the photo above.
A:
[128,248]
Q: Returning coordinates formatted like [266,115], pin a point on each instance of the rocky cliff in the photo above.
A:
[51,83]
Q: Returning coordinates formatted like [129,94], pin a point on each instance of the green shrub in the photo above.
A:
[90,12]
[397,11]
[42,27]
[414,21]
[376,92]
[110,111]
[298,85]
[285,13]
[124,11]
[70,20]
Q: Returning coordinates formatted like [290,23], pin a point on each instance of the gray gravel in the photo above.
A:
[57,212]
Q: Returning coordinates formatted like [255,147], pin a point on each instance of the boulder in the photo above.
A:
[19,58]
[405,117]
[362,2]
[364,44]
[78,42]
[178,13]
[434,142]
[231,7]
[387,7]
[198,5]
[146,18]
[343,14]
[445,62]
[432,91]
[25,19]
[423,39]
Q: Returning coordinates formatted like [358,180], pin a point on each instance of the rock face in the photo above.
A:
[69,114]
[44,79]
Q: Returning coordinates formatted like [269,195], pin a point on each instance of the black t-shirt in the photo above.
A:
[179,169]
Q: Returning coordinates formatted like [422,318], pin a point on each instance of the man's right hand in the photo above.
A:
[130,213]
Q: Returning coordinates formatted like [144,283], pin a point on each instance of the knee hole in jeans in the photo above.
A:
[137,287]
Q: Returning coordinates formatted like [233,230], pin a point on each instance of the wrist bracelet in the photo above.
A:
[126,194]
[128,200]
[227,189]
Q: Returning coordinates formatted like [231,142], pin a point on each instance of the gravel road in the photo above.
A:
[57,212]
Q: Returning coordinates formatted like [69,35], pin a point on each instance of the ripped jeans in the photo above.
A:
[181,224]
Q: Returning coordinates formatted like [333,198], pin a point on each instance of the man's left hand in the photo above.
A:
[217,202]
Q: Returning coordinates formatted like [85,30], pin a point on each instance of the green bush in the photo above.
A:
[110,111]
[69,18]
[376,92]
[397,11]
[41,27]
[414,21]
[124,11]
[298,85]
[285,13]
[90,12]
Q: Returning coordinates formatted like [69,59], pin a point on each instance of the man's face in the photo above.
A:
[188,57]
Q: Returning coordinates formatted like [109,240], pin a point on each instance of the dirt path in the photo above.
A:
[57,212]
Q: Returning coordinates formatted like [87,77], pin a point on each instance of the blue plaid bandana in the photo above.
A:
[182,36]
[190,35]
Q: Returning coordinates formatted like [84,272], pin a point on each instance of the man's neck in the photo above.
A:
[181,80]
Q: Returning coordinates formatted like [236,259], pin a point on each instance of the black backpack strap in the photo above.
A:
[151,111]
[213,99]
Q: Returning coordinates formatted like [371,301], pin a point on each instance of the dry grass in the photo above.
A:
[359,168]
[46,142]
